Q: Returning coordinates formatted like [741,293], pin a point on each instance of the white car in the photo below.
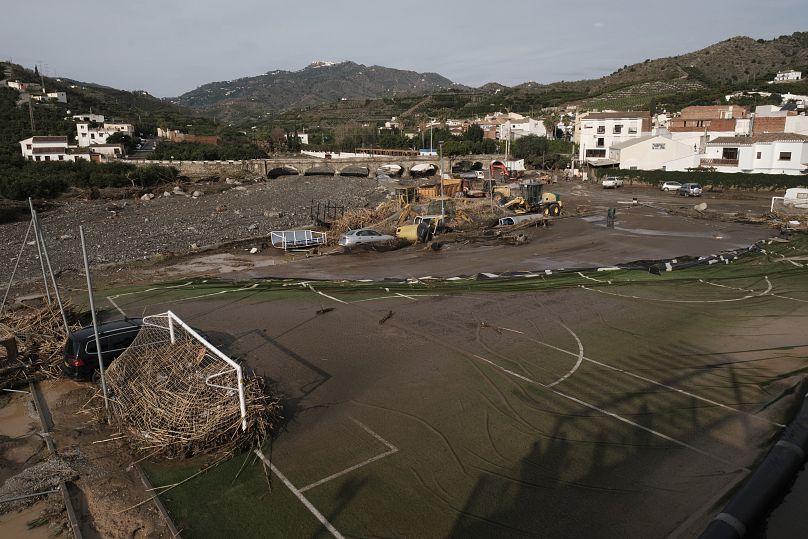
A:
[362,236]
[670,186]
[612,182]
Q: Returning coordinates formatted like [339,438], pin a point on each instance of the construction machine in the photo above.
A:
[528,197]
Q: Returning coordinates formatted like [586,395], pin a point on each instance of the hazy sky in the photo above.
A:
[169,47]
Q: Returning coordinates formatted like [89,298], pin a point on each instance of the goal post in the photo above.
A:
[174,319]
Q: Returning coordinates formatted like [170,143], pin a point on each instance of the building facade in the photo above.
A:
[599,131]
[768,153]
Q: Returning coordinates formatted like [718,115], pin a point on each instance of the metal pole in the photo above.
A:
[17,263]
[53,278]
[39,250]
[95,322]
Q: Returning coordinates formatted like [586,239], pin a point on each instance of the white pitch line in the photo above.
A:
[616,416]
[326,295]
[577,363]
[593,279]
[116,306]
[300,496]
[405,296]
[391,450]
[116,296]
[398,296]
[657,383]
[670,300]
[219,293]
[765,292]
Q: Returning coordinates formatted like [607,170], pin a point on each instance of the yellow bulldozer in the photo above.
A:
[528,197]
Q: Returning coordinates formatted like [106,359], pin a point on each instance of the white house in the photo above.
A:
[108,151]
[516,129]
[787,76]
[49,149]
[654,152]
[88,134]
[89,117]
[599,131]
[59,97]
[303,138]
[768,153]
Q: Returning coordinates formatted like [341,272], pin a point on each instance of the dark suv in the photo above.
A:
[81,354]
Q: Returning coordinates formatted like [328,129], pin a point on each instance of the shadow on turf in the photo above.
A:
[613,497]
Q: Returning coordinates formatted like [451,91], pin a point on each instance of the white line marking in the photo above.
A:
[219,293]
[300,496]
[577,363]
[150,290]
[404,296]
[657,383]
[616,416]
[670,300]
[326,295]
[391,450]
[399,296]
[116,306]
[592,278]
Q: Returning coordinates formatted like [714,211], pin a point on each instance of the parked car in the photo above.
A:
[690,190]
[671,186]
[363,235]
[81,353]
[612,182]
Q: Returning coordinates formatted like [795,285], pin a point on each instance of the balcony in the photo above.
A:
[719,162]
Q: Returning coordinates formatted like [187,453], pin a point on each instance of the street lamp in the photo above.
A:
[440,152]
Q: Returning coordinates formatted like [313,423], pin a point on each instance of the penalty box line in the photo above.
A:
[391,449]
[313,510]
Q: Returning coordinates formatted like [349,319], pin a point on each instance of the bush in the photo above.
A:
[24,179]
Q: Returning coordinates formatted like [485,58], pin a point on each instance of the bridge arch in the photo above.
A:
[424,170]
[355,171]
[284,170]
[320,170]
[394,170]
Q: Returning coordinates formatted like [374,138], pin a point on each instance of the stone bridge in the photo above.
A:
[198,170]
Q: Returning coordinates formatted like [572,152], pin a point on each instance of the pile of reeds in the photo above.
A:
[379,218]
[168,400]
[40,337]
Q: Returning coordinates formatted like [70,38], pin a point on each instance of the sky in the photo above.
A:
[169,47]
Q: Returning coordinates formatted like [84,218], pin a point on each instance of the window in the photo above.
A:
[47,158]
[785,156]
[92,136]
[618,129]
[596,153]
[729,153]
[632,130]
[632,168]
[28,146]
[600,142]
[61,158]
[757,156]
[601,129]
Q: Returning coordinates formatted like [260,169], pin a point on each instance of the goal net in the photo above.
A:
[179,395]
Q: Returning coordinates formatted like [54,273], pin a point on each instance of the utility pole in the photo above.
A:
[31,115]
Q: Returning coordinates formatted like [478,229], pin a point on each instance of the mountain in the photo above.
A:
[253,98]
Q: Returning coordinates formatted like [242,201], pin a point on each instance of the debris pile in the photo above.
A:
[365,218]
[179,400]
[38,334]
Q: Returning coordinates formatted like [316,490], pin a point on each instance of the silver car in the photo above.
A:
[363,235]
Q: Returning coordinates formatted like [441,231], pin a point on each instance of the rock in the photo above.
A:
[166,194]
[194,246]
[240,188]
[147,196]
[273,214]
[177,189]
[231,181]
[221,208]
[253,226]
[65,237]
[253,250]
[700,207]
[197,194]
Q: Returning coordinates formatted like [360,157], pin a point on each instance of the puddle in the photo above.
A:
[15,524]
[15,420]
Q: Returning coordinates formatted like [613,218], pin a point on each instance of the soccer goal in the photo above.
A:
[176,390]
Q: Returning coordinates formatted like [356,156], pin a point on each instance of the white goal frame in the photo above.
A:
[173,321]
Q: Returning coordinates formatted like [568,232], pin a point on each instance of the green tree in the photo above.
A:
[474,133]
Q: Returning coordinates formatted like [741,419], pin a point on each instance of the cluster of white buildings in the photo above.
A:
[726,138]
[92,133]
[35,92]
